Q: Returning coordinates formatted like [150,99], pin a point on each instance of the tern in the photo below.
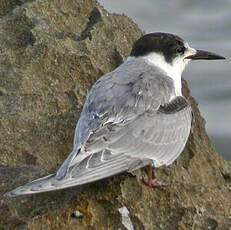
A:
[133,117]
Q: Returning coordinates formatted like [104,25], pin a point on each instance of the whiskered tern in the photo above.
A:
[134,116]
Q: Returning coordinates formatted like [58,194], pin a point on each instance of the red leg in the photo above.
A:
[150,182]
[149,170]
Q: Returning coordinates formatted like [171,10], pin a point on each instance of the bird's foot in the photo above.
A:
[154,183]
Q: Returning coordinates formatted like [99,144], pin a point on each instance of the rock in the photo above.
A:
[51,53]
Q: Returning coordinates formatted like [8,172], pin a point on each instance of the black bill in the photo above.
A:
[204,55]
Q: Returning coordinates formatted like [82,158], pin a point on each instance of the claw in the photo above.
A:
[154,183]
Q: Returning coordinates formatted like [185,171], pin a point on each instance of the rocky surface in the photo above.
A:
[51,52]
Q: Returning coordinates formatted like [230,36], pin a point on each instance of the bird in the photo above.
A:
[133,117]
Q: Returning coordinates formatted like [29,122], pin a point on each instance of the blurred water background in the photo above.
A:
[205,25]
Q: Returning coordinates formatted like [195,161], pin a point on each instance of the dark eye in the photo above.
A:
[180,49]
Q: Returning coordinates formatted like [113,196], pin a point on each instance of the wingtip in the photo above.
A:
[10,194]
[15,192]
[30,188]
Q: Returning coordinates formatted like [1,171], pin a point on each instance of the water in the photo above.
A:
[205,25]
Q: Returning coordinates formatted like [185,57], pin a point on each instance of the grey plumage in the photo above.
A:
[133,117]
[127,122]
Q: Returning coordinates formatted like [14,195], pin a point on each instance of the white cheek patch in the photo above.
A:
[173,70]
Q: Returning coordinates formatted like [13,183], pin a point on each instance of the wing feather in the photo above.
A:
[79,175]
[160,137]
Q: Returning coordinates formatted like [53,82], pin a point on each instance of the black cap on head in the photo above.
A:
[169,45]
